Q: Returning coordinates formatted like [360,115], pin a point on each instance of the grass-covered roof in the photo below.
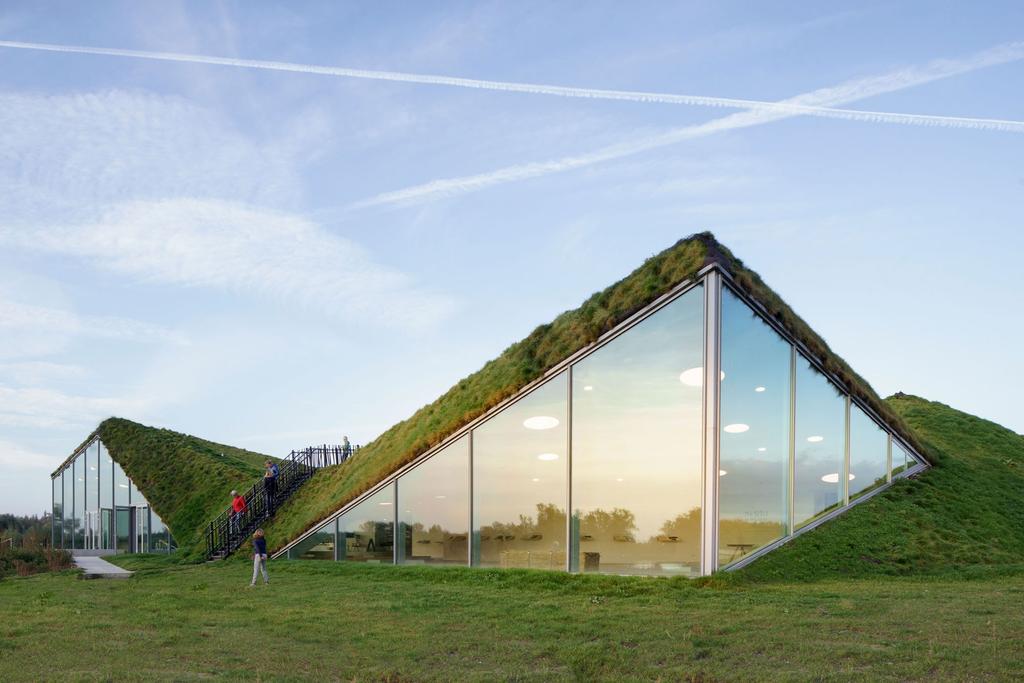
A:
[526,361]
[187,480]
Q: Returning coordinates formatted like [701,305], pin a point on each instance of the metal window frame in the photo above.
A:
[711,415]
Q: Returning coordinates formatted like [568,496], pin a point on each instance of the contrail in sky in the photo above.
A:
[839,94]
[1000,54]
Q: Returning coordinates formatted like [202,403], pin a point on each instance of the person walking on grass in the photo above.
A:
[237,510]
[259,558]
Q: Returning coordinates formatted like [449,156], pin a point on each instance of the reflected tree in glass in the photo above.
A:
[637,446]
[754,457]
[433,508]
[820,444]
[366,533]
[519,482]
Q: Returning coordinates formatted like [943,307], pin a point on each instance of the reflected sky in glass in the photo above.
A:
[754,460]
[637,445]
[368,529]
[820,443]
[433,508]
[520,485]
[869,456]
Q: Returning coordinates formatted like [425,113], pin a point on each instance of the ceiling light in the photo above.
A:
[834,478]
[440,497]
[384,502]
[548,456]
[694,377]
[762,449]
[541,422]
[759,389]
[124,486]
[535,479]
[722,473]
[737,428]
[619,479]
[588,388]
[815,439]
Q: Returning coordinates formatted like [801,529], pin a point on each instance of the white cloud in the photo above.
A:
[49,409]
[41,372]
[14,456]
[29,319]
[243,249]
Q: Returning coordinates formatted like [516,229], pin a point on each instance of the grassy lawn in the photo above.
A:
[338,621]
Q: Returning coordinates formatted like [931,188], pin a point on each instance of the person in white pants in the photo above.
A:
[259,557]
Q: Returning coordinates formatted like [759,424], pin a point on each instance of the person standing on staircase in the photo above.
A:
[270,484]
[237,510]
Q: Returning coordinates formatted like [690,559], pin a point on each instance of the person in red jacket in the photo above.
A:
[237,510]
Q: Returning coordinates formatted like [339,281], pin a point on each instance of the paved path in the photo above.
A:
[98,568]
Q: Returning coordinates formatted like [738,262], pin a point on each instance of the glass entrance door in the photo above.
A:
[124,522]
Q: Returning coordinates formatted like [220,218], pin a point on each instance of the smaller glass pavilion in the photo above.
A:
[97,507]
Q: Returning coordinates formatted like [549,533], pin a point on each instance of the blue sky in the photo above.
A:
[272,259]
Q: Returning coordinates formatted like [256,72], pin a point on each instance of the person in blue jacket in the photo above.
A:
[259,557]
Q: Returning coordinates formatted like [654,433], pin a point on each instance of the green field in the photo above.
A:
[375,623]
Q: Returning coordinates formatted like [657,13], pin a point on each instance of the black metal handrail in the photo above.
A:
[230,530]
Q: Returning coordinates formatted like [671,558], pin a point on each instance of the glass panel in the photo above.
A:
[80,501]
[868,453]
[368,529]
[754,465]
[123,523]
[69,507]
[901,460]
[637,447]
[92,490]
[57,539]
[142,530]
[433,508]
[820,443]
[520,487]
[317,546]
[134,496]
[159,542]
[106,482]
[121,488]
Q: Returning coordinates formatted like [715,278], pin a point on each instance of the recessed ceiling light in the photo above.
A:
[440,497]
[588,388]
[384,502]
[548,456]
[762,449]
[759,389]
[694,377]
[124,486]
[618,479]
[535,479]
[737,428]
[815,439]
[834,478]
[722,473]
[541,422]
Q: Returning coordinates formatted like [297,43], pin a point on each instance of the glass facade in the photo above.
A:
[753,485]
[433,509]
[637,433]
[618,436]
[820,444]
[366,533]
[869,453]
[94,509]
[520,482]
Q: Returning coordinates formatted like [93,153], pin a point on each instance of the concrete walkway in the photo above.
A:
[98,568]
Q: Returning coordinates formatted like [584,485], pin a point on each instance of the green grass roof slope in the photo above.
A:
[527,360]
[187,480]
[962,515]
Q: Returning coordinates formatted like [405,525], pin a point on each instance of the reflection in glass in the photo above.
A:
[319,545]
[637,446]
[868,453]
[820,444]
[92,489]
[121,487]
[159,536]
[754,464]
[433,508]
[69,506]
[106,483]
[79,469]
[901,460]
[123,521]
[57,520]
[519,482]
[366,533]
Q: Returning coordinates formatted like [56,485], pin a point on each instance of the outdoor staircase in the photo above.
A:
[229,532]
